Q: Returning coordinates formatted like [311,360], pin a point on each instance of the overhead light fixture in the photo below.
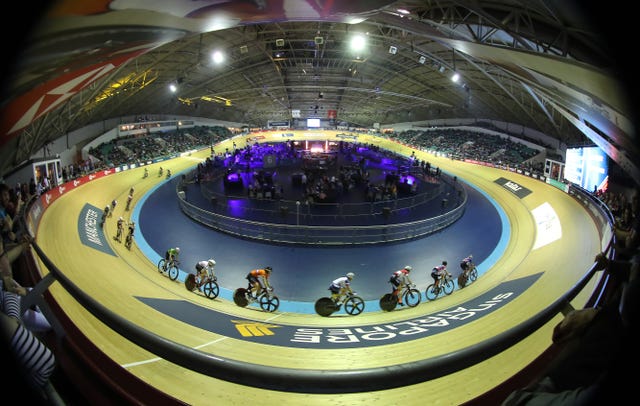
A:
[393,50]
[318,40]
[422,59]
[441,69]
[280,42]
[244,49]
[455,77]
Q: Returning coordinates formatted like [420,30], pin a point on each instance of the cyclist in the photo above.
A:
[467,265]
[438,272]
[146,173]
[400,279]
[168,173]
[171,256]
[258,280]
[114,203]
[339,287]
[105,214]
[129,239]
[160,172]
[120,229]
[203,269]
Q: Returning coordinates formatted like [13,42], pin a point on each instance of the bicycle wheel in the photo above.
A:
[240,297]
[325,306]
[448,286]
[211,289]
[269,303]
[173,272]
[354,305]
[431,292]
[161,265]
[412,297]
[473,275]
[388,302]
[190,282]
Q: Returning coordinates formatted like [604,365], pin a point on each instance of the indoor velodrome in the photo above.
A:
[523,267]
[98,96]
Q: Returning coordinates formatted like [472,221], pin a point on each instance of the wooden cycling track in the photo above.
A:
[117,281]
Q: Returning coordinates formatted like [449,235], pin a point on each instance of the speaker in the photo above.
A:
[280,42]
[318,40]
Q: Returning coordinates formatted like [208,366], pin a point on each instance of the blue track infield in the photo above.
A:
[302,274]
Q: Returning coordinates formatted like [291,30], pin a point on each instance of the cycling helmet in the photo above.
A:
[408,268]
[350,275]
[178,250]
[212,262]
[268,269]
[444,262]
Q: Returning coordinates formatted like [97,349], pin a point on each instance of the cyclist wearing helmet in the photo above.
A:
[467,264]
[129,239]
[171,256]
[204,268]
[259,280]
[120,230]
[339,287]
[399,279]
[438,272]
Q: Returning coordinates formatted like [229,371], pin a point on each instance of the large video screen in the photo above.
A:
[587,167]
[313,123]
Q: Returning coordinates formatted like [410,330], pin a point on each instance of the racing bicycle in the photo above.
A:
[467,277]
[170,267]
[353,305]
[207,285]
[267,300]
[410,296]
[445,285]
[128,241]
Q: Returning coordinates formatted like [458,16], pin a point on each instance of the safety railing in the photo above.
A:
[292,222]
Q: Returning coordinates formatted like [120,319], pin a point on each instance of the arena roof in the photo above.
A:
[537,64]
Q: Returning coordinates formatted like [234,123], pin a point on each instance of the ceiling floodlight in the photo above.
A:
[280,42]
[318,40]
[358,42]
[422,59]
[441,69]
[244,49]
[393,50]
[173,87]
[217,57]
[455,77]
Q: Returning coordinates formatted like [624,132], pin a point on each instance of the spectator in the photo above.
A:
[35,362]
[598,350]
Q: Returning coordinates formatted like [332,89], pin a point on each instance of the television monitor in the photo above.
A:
[587,167]
[313,123]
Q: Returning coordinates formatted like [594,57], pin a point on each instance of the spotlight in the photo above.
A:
[422,60]
[393,50]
